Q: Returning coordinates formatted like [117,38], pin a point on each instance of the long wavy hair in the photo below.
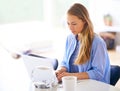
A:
[87,34]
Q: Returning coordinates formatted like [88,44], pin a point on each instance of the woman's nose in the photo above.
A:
[70,27]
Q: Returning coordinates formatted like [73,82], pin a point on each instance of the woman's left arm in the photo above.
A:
[100,64]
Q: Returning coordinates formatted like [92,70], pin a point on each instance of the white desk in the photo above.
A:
[92,85]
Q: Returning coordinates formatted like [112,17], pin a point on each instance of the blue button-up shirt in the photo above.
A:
[98,67]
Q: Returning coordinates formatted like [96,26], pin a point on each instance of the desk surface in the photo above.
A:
[93,85]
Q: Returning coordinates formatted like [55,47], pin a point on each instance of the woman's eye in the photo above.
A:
[74,24]
[68,23]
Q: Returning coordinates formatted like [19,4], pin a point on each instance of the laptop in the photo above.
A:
[33,61]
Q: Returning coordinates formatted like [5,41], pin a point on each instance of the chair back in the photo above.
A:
[115,74]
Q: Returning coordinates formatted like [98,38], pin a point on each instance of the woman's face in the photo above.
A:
[75,24]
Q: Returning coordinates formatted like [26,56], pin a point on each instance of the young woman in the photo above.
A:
[86,54]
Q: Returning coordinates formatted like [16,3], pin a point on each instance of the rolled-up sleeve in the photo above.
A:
[99,62]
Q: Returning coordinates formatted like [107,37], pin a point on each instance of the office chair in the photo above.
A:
[54,61]
[115,74]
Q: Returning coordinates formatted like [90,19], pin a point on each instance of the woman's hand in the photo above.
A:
[59,72]
[79,76]
[60,75]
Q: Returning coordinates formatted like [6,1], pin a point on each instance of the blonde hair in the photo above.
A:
[86,36]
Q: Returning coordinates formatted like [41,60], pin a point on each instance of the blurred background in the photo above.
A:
[40,25]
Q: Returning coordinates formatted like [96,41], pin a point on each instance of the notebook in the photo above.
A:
[31,62]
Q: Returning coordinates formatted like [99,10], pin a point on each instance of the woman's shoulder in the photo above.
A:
[98,40]
[70,40]
[70,36]
[98,43]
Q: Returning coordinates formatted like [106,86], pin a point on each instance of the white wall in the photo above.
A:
[98,8]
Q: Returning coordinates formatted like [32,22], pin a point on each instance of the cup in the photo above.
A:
[43,74]
[69,83]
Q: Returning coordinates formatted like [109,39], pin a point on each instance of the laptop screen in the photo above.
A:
[31,62]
